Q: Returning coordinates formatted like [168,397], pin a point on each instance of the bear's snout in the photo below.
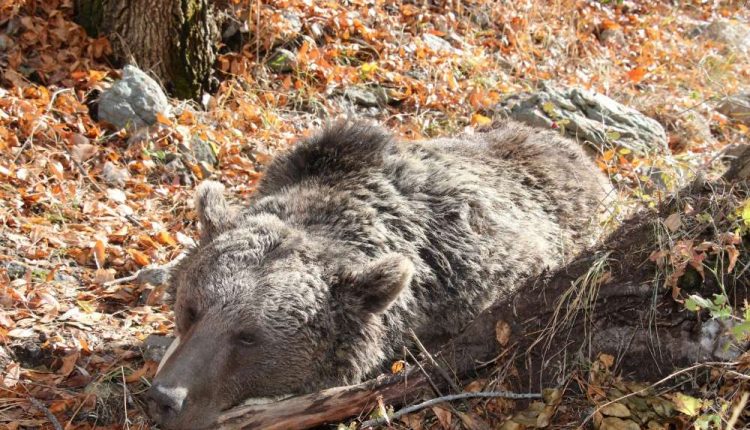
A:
[166,403]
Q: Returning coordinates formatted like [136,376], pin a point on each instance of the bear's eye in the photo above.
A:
[246,339]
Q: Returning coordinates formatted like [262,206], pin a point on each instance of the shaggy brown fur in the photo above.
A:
[352,239]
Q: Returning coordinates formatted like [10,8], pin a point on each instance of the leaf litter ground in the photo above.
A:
[82,204]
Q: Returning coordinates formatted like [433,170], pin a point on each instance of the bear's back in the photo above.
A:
[475,213]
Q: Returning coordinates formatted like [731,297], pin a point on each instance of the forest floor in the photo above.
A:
[82,204]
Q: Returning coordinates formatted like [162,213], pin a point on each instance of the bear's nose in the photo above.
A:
[165,403]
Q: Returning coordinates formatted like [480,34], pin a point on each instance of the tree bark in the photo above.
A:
[610,300]
[173,39]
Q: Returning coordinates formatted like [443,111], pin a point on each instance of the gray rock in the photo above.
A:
[114,175]
[612,36]
[133,101]
[438,44]
[65,278]
[199,153]
[203,151]
[588,117]
[15,270]
[155,346]
[736,107]
[367,96]
[293,20]
[282,61]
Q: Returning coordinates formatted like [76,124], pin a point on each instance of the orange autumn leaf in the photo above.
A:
[186,118]
[165,238]
[139,257]
[100,254]
[162,119]
[147,242]
[146,371]
[68,364]
[608,24]
[636,75]
[478,119]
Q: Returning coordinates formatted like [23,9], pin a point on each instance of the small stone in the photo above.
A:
[612,36]
[282,61]
[65,278]
[15,270]
[293,21]
[439,45]
[203,151]
[134,101]
[367,96]
[155,346]
[157,275]
[615,410]
[114,175]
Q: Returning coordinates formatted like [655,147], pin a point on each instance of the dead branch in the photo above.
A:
[450,398]
[327,406]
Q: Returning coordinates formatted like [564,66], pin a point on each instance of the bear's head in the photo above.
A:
[265,310]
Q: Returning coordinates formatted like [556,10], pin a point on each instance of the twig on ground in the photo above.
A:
[125,397]
[657,383]
[78,409]
[427,375]
[738,410]
[50,416]
[27,142]
[432,361]
[51,104]
[450,398]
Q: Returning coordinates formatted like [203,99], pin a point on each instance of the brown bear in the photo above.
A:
[353,238]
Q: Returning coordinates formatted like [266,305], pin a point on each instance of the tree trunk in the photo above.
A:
[173,39]
[611,300]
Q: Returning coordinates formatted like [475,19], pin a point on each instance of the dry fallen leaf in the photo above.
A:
[673,222]
[139,257]
[10,375]
[68,364]
[100,254]
[444,417]
[502,332]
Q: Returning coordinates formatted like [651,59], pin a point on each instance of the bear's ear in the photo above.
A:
[214,213]
[373,288]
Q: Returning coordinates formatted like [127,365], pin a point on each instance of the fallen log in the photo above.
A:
[610,300]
